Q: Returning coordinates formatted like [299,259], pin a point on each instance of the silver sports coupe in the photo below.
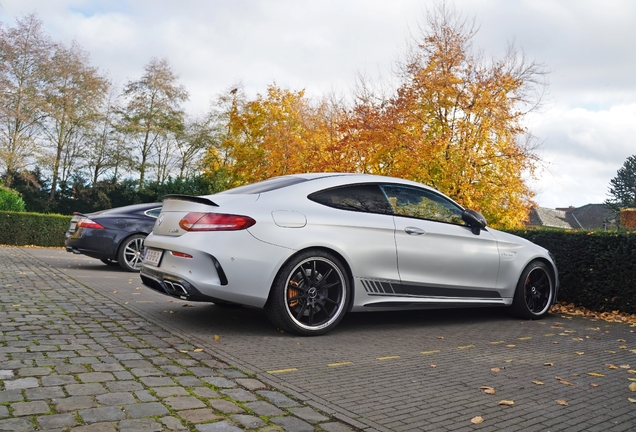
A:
[309,248]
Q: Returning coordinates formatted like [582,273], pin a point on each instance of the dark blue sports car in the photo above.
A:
[115,236]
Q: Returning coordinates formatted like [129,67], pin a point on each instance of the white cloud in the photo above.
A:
[583,150]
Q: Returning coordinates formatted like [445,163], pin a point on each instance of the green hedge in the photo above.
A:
[597,269]
[21,229]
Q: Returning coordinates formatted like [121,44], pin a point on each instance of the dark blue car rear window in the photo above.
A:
[266,185]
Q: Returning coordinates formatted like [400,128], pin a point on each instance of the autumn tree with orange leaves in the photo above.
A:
[281,132]
[455,122]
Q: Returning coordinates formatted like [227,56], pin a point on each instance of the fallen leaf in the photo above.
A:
[488,390]
[477,420]
[621,340]
[495,369]
[548,364]
[115,292]
[171,312]
[631,399]
[611,366]
[187,305]
[537,382]
[579,352]
[138,288]
[217,337]
[631,371]
[198,350]
[624,366]
[507,402]
[577,339]
[566,383]
[594,385]
[440,337]
[433,366]
[510,346]
[632,379]
[183,351]
[555,343]
[594,374]
[562,402]
[623,347]
[632,386]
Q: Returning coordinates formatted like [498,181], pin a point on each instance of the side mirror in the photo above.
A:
[474,220]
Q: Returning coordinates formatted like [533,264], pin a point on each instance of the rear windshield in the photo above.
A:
[266,185]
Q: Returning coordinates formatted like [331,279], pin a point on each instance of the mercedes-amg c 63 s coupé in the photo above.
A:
[311,247]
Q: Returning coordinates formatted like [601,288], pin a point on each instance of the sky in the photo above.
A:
[586,127]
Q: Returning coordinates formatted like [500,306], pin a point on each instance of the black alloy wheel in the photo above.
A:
[131,253]
[310,294]
[535,292]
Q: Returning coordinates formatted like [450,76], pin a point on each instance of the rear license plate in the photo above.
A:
[152,256]
[73,226]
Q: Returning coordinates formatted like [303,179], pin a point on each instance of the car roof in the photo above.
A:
[129,209]
[350,178]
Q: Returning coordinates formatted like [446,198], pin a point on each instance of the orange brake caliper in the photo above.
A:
[291,293]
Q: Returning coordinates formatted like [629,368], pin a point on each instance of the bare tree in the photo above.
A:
[108,150]
[197,136]
[24,55]
[153,110]
[74,93]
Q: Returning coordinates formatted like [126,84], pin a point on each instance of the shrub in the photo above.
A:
[11,200]
[597,269]
[21,229]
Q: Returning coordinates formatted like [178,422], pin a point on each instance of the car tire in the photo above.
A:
[535,292]
[310,294]
[131,252]
[109,262]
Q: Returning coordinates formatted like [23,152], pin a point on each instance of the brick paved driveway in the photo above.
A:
[414,370]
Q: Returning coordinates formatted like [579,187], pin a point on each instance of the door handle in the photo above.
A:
[414,231]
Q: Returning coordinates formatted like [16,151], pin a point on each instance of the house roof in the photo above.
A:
[541,216]
[590,216]
[593,216]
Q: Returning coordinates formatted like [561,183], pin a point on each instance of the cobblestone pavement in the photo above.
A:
[73,360]
[405,371]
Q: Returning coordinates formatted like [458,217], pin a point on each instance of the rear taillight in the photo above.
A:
[88,223]
[215,222]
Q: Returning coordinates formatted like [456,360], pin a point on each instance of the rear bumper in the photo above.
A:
[100,244]
[172,286]
[231,267]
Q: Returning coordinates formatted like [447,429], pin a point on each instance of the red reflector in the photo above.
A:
[215,222]
[88,223]
[180,254]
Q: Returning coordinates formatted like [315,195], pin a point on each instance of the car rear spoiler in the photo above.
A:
[190,198]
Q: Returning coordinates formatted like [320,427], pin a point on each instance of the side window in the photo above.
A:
[422,204]
[363,197]
[153,212]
